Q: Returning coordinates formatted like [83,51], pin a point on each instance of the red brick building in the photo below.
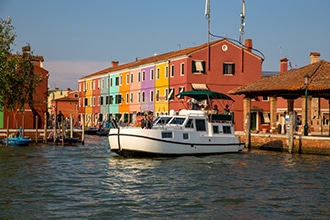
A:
[40,97]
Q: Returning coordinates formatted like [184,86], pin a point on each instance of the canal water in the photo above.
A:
[90,182]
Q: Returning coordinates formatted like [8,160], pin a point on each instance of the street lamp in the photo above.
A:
[306,78]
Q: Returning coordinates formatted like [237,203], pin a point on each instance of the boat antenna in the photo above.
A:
[208,17]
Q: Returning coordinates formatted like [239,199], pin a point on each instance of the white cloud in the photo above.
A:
[65,74]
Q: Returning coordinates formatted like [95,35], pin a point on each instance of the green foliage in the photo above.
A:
[17,79]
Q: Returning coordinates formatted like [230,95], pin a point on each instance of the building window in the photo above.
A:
[127,79]
[229,68]
[172,71]
[143,76]
[118,99]
[166,94]
[111,100]
[121,80]
[151,96]
[158,73]
[171,94]
[325,119]
[265,119]
[139,76]
[101,100]
[117,81]
[166,71]
[139,97]
[127,98]
[198,66]
[157,95]
[181,89]
[132,77]
[98,83]
[131,97]
[265,98]
[151,74]
[182,69]
[143,97]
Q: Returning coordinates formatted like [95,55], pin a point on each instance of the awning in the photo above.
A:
[200,95]
[198,86]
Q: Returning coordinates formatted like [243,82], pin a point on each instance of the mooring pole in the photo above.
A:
[248,131]
[290,132]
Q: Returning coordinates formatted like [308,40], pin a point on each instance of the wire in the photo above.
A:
[258,51]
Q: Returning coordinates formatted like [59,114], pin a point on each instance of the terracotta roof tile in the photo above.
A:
[291,81]
[156,58]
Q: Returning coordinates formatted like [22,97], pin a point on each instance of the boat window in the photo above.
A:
[200,125]
[177,121]
[185,136]
[226,129]
[190,123]
[167,134]
[216,129]
[162,120]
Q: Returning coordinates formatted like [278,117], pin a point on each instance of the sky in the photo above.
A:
[80,37]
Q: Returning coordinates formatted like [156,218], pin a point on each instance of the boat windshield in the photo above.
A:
[162,120]
[177,121]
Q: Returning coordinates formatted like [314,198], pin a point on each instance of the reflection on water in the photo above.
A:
[90,182]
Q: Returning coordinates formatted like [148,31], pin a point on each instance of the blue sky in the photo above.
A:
[79,37]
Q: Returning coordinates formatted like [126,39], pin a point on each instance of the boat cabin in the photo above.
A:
[196,120]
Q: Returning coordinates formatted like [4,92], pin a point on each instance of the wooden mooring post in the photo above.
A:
[290,132]
[248,131]
[45,129]
[36,130]
[83,129]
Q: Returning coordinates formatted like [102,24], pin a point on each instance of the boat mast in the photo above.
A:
[241,30]
[208,17]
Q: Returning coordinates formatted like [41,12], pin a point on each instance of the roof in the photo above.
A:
[292,83]
[66,99]
[160,57]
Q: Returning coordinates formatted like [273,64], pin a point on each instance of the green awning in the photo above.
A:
[200,95]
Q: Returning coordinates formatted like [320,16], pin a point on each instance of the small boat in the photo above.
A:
[17,141]
[103,132]
[190,132]
[91,131]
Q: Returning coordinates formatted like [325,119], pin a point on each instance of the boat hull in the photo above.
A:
[151,142]
[19,141]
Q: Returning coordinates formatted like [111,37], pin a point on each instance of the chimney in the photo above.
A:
[248,45]
[283,65]
[115,63]
[314,57]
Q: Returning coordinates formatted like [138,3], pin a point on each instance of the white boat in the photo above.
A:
[190,132]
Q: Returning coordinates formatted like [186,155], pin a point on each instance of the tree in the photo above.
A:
[17,78]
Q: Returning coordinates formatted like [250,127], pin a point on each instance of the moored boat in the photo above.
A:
[190,132]
[17,141]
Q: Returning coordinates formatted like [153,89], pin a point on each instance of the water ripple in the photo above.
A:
[90,182]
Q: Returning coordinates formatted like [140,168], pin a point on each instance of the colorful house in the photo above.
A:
[152,84]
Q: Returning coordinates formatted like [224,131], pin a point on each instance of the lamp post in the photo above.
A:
[306,78]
